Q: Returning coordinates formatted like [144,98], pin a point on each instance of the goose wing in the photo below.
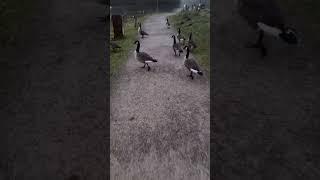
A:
[144,56]
[179,37]
[143,33]
[192,64]
[193,44]
[178,47]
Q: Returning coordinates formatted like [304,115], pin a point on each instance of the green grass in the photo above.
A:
[119,56]
[13,14]
[199,25]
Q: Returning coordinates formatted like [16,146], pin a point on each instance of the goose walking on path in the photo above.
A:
[141,32]
[168,23]
[266,18]
[191,64]
[176,46]
[142,56]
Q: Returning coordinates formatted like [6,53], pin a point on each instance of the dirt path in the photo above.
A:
[265,110]
[159,119]
[55,108]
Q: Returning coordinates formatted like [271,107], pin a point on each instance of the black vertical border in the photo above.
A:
[212,149]
[107,62]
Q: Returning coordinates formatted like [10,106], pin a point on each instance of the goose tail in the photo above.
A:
[154,60]
[196,71]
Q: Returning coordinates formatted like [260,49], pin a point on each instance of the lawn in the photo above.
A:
[119,56]
[199,25]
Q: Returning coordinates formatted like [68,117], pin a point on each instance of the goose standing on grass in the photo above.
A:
[191,44]
[191,64]
[180,38]
[141,32]
[168,24]
[266,18]
[142,56]
[176,46]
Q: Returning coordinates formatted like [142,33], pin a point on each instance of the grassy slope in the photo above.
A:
[199,25]
[119,57]
[12,18]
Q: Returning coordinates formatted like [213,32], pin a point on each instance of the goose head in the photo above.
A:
[137,42]
[289,36]
[138,46]
[174,39]
[188,51]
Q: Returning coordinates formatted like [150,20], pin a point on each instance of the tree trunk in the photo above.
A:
[117,26]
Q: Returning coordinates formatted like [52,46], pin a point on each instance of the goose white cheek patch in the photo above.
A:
[269,29]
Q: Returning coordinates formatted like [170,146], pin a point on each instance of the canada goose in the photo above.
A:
[114,46]
[191,64]
[266,18]
[141,32]
[191,44]
[167,23]
[142,56]
[176,46]
[180,37]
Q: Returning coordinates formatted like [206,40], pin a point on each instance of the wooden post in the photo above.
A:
[117,26]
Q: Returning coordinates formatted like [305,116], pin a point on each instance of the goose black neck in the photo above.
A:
[174,40]
[138,46]
[179,31]
[187,55]
[190,36]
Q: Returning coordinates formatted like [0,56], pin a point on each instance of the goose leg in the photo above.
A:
[261,45]
[191,76]
[174,52]
[258,43]
[144,65]
[148,66]
[263,50]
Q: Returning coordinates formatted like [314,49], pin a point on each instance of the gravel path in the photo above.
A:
[266,111]
[159,119]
